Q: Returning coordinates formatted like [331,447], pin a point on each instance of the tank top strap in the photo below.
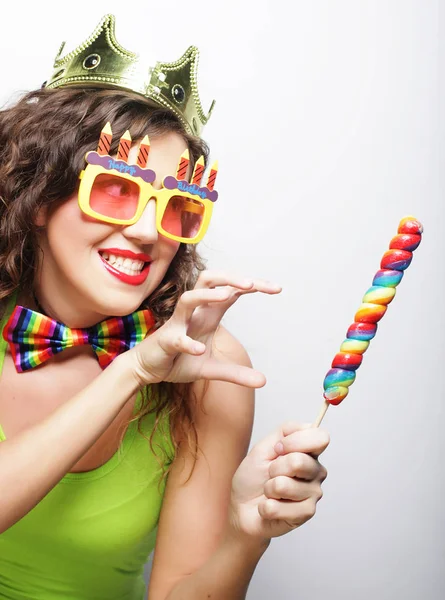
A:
[3,343]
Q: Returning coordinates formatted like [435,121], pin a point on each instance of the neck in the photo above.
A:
[65,311]
[38,305]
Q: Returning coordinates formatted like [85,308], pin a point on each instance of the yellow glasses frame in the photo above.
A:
[146,193]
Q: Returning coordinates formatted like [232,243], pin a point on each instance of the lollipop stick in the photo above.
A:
[321,414]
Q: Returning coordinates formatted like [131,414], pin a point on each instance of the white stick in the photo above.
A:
[321,414]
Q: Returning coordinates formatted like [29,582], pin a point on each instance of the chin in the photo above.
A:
[118,308]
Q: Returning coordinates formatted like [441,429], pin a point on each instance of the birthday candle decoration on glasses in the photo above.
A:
[124,147]
[198,171]
[144,149]
[212,176]
[106,135]
[183,165]
[373,307]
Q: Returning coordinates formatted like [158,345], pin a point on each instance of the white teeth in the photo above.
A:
[126,265]
[128,271]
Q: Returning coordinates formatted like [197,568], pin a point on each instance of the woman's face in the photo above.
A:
[82,277]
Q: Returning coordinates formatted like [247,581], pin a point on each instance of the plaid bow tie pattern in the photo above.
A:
[34,338]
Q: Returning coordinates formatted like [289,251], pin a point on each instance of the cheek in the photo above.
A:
[70,230]
[166,251]
[169,247]
[65,217]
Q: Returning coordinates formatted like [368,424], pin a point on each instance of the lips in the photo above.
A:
[126,254]
[136,279]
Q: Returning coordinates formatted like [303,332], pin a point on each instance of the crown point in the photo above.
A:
[101,60]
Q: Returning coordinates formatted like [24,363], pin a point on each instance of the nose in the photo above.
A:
[144,229]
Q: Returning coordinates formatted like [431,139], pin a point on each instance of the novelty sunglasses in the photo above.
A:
[115,192]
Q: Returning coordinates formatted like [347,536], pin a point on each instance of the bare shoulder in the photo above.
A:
[227,347]
[221,405]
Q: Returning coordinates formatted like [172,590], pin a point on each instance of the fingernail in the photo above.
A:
[279,448]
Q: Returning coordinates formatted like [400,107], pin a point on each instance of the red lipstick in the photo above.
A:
[127,254]
[124,277]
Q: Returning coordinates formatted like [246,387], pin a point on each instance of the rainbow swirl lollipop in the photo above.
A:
[374,305]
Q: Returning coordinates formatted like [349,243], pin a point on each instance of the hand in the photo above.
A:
[181,350]
[277,486]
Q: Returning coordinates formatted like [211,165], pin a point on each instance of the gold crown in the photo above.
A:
[102,61]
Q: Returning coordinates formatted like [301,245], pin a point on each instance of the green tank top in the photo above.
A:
[90,536]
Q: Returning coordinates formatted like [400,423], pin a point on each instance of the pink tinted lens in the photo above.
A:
[183,217]
[114,196]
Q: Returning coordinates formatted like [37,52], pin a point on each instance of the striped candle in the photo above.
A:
[212,176]
[124,147]
[104,144]
[144,149]
[198,171]
[184,162]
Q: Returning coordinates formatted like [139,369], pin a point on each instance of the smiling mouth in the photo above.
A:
[127,266]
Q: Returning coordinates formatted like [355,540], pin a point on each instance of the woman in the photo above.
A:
[90,433]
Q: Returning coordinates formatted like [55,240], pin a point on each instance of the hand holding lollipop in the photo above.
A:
[373,307]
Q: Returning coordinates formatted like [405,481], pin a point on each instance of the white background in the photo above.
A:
[329,129]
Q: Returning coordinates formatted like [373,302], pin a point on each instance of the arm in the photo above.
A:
[197,552]
[43,454]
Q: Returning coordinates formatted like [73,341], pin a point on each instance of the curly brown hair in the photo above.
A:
[43,141]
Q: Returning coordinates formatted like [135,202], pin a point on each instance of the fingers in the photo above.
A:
[295,476]
[288,499]
[263,286]
[292,485]
[297,465]
[213,369]
[220,288]
[194,298]
[287,488]
[181,343]
[303,438]
[293,514]
[212,279]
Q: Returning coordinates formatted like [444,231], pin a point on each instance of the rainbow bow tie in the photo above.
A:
[33,338]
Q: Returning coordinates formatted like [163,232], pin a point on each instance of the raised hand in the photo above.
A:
[277,486]
[181,350]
